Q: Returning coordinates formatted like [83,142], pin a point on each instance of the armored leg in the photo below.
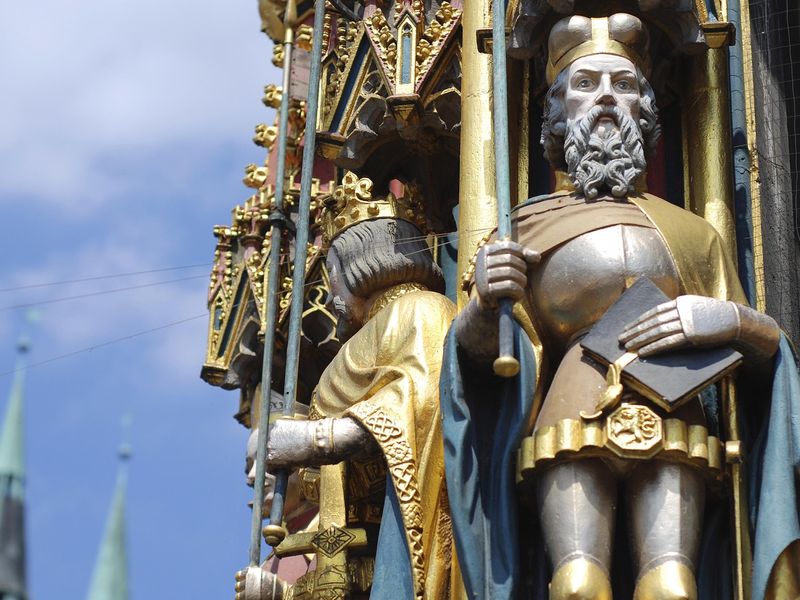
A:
[667,501]
[578,501]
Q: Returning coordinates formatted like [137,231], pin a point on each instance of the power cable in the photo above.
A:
[103,344]
[100,293]
[184,267]
[182,321]
[99,277]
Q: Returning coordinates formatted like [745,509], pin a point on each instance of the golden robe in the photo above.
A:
[387,378]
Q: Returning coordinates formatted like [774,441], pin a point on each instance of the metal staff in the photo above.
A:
[277,224]
[274,533]
[506,364]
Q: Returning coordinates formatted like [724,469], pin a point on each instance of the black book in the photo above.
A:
[668,379]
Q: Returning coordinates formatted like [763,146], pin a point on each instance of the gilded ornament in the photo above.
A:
[673,440]
[265,135]
[286,293]
[277,55]
[360,571]
[272,95]
[392,294]
[254,176]
[352,202]
[431,45]
[633,430]
[303,37]
[309,480]
[332,540]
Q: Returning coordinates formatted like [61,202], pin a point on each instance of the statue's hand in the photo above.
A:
[501,271]
[687,321]
[255,583]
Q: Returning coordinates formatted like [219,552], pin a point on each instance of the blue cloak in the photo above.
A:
[483,423]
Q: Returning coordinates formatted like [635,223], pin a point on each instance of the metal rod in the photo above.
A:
[506,365]
[300,250]
[734,455]
[277,223]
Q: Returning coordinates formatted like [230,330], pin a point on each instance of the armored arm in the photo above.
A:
[296,443]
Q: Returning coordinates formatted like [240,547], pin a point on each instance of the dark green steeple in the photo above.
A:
[110,576]
[12,488]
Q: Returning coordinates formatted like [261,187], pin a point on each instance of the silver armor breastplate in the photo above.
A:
[576,283]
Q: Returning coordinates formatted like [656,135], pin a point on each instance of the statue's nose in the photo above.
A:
[605,92]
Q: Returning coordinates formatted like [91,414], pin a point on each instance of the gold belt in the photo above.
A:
[631,431]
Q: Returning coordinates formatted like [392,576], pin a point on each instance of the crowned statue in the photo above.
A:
[376,406]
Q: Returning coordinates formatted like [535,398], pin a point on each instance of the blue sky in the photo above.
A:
[124,134]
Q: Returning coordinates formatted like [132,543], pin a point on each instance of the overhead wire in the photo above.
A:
[472,233]
[101,277]
[99,293]
[177,268]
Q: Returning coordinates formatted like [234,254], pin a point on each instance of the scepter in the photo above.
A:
[277,222]
[274,533]
[506,364]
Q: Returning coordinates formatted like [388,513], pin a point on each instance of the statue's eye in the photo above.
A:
[584,84]
[624,85]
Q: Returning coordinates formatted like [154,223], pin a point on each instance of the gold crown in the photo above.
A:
[352,203]
[574,37]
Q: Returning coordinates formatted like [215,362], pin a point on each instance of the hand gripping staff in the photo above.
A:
[506,364]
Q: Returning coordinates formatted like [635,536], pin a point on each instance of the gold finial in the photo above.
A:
[272,96]
[254,176]
[352,202]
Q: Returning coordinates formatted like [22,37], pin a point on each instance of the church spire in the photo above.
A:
[110,576]
[12,487]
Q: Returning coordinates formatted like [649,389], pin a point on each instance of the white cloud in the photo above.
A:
[81,323]
[85,81]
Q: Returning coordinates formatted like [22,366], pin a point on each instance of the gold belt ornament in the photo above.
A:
[632,431]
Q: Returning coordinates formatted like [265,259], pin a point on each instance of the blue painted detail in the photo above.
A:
[712,11]
[480,444]
[405,75]
[226,337]
[392,579]
[742,161]
[350,83]
[775,493]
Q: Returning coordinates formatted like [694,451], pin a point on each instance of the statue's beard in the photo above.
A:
[611,161]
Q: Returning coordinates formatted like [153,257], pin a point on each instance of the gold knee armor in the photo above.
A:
[671,580]
[580,579]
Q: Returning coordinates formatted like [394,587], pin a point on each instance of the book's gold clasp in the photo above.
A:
[613,392]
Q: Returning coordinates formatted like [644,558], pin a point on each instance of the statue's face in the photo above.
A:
[293,498]
[606,80]
[350,309]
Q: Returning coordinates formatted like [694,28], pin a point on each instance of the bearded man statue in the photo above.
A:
[574,252]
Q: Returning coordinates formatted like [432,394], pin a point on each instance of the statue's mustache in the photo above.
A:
[604,111]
